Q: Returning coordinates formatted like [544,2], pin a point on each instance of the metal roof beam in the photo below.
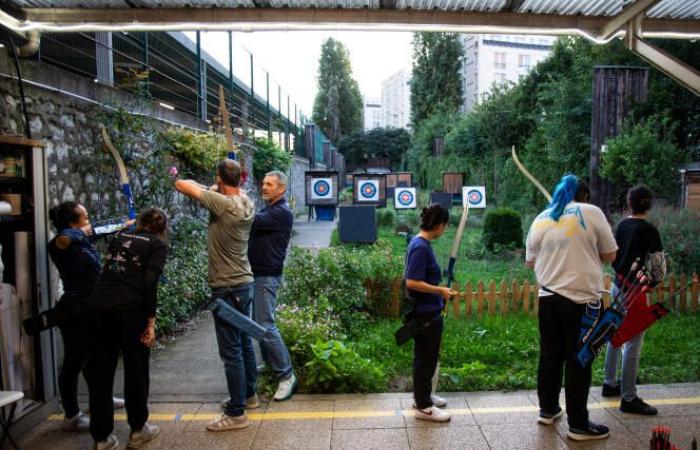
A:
[512,5]
[252,19]
[628,13]
[683,73]
[387,4]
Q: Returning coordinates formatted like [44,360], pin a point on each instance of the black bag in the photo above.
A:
[410,326]
[66,309]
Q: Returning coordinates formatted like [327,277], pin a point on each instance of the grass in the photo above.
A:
[501,353]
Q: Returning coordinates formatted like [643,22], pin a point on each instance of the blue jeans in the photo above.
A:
[236,348]
[631,350]
[274,351]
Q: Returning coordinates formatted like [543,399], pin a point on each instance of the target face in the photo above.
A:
[405,198]
[321,188]
[475,196]
[368,191]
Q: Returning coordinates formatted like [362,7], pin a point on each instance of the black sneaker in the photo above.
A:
[549,418]
[638,406]
[611,391]
[592,432]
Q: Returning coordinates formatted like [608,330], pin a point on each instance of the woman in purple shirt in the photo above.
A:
[423,276]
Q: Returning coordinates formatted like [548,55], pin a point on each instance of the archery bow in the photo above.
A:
[457,242]
[233,153]
[529,176]
[123,175]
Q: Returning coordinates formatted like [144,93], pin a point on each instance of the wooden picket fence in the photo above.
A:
[503,298]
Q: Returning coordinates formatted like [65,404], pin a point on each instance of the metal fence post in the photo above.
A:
[269,117]
[201,81]
[230,72]
[146,65]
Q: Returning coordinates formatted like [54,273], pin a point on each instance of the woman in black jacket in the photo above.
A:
[73,252]
[122,319]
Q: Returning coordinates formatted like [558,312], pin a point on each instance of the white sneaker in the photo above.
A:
[145,434]
[433,414]
[111,443]
[226,422]
[250,403]
[437,401]
[79,422]
[119,403]
[286,388]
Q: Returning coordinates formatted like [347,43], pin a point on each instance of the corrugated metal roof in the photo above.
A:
[670,9]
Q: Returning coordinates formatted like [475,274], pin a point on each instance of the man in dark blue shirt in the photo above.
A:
[267,249]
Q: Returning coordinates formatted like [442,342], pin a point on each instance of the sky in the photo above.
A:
[291,58]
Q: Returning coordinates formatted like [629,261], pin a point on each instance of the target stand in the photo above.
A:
[369,189]
[322,194]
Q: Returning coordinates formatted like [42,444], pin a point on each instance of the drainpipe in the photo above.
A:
[31,47]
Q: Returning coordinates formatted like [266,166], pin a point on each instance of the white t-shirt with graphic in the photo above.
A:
[567,252]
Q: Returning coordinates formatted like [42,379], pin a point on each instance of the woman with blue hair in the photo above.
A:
[567,245]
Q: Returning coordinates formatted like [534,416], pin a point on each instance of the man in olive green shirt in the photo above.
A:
[231,281]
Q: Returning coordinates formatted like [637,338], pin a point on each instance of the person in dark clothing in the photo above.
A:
[636,238]
[267,249]
[423,276]
[122,314]
[78,262]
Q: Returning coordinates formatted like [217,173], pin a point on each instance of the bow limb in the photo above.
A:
[123,175]
[529,176]
[456,243]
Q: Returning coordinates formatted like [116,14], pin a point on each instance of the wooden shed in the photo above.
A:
[452,182]
[690,183]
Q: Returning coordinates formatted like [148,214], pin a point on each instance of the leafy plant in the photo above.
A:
[386,217]
[199,151]
[503,226]
[268,156]
[336,368]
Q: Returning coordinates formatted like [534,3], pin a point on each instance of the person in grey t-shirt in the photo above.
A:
[231,280]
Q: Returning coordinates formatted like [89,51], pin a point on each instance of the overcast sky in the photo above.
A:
[292,59]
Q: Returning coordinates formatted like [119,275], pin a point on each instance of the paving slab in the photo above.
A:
[374,439]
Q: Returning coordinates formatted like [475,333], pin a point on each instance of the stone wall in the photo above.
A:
[298,183]
[64,112]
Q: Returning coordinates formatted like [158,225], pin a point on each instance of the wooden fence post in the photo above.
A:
[504,298]
[526,296]
[468,299]
[695,293]
[672,290]
[492,298]
[536,309]
[683,295]
[480,298]
[515,295]
[396,294]
[660,293]
[455,304]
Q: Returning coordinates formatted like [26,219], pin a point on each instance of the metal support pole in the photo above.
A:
[104,58]
[230,73]
[251,107]
[146,65]
[269,117]
[201,81]
[286,122]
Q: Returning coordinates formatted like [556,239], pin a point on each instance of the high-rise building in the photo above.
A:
[372,113]
[495,58]
[396,100]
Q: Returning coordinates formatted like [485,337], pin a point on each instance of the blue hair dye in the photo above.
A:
[563,194]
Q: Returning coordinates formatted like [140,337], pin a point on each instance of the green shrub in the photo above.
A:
[338,369]
[269,156]
[408,217]
[303,326]
[503,226]
[340,275]
[185,289]
[679,237]
[386,217]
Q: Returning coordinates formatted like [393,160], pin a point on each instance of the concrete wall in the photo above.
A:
[298,182]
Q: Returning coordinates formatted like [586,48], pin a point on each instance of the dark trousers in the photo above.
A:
[75,353]
[426,348]
[559,322]
[112,332]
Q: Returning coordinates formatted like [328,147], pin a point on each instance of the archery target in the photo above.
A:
[405,198]
[475,196]
[368,191]
[321,189]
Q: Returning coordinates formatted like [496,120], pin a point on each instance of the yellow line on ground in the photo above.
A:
[359,414]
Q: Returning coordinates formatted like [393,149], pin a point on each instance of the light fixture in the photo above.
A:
[167,106]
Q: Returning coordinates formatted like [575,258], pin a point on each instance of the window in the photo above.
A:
[499,60]
[500,77]
[524,62]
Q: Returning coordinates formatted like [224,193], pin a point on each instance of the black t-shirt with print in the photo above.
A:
[636,238]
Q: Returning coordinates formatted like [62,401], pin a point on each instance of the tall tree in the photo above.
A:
[338,103]
[437,84]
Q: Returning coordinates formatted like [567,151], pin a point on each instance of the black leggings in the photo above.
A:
[426,349]
[75,353]
[112,332]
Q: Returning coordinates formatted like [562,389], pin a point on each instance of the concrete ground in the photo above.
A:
[313,234]
[481,420]
[187,385]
